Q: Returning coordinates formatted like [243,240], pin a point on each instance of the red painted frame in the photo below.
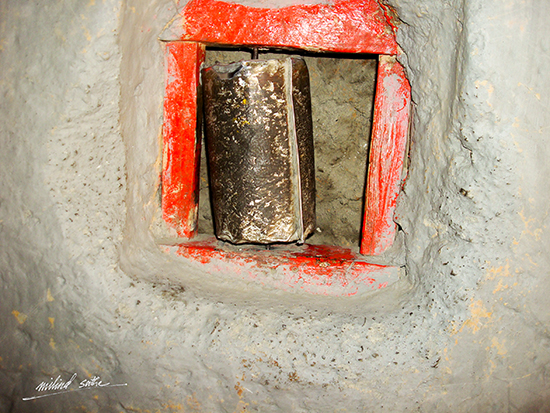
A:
[347,26]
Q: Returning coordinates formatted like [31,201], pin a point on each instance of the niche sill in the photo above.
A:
[314,269]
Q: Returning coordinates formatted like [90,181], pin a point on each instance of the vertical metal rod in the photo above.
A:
[255,53]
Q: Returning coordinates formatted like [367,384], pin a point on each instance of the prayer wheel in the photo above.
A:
[259,140]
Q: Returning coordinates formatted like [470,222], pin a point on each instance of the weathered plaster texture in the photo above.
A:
[86,290]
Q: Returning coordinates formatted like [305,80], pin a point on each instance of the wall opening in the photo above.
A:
[347,27]
[342,94]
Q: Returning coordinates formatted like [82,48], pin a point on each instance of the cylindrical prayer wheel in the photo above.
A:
[259,140]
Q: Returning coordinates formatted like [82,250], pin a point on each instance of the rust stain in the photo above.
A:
[193,402]
[293,377]
[529,224]
[478,313]
[502,271]
[500,286]
[499,346]
[239,389]
[241,407]
[174,407]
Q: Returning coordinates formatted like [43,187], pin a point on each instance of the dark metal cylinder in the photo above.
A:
[259,139]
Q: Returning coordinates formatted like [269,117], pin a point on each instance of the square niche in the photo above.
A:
[350,50]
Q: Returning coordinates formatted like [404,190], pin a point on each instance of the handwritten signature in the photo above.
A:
[59,386]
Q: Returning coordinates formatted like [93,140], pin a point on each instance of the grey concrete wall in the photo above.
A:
[86,290]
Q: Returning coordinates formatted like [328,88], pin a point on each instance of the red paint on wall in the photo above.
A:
[352,26]
[181,137]
[325,270]
[388,144]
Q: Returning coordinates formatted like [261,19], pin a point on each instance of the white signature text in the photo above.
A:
[59,386]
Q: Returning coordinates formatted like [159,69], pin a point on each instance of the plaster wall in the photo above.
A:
[86,290]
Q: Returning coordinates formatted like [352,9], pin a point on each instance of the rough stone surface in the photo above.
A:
[86,290]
